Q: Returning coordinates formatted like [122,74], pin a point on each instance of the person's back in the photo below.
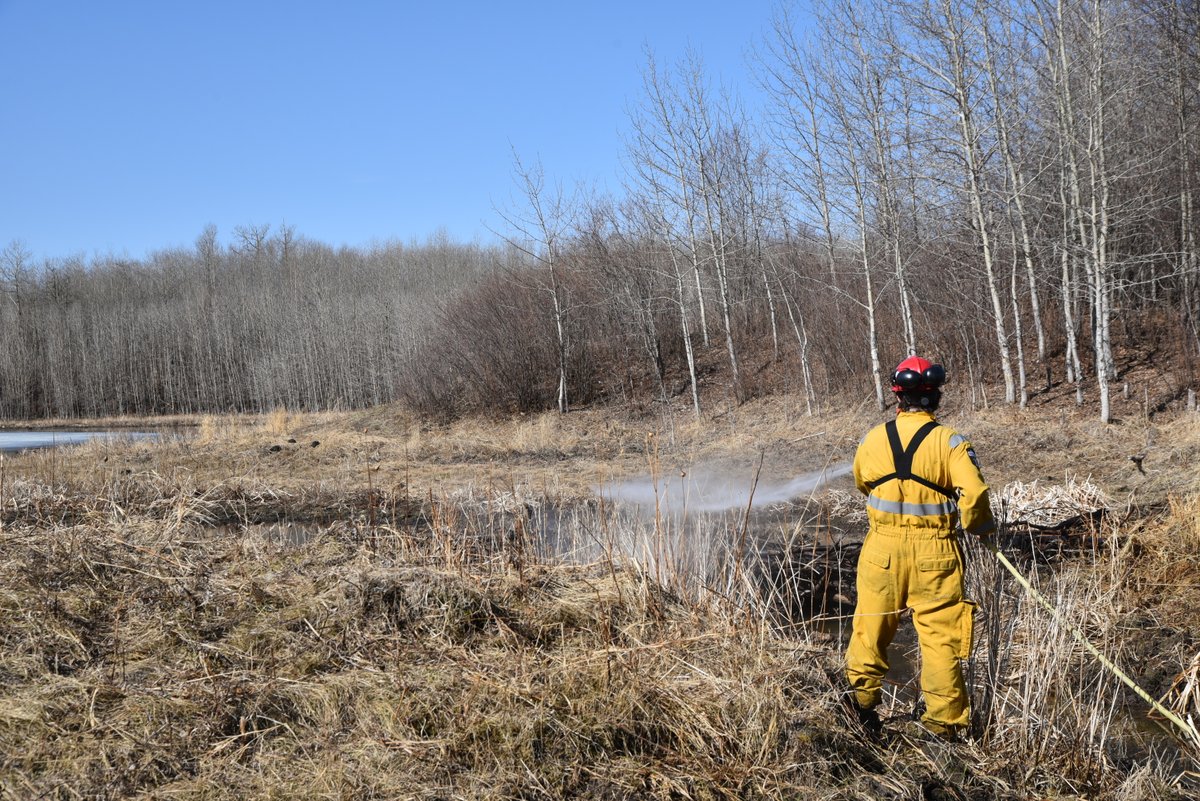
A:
[943,458]
[919,478]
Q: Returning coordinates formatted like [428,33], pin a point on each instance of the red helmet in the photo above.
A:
[917,374]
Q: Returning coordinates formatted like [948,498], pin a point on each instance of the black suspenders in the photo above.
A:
[902,458]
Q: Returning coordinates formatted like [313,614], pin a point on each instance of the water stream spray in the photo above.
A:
[708,489]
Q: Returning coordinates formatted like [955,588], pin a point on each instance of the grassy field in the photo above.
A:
[361,605]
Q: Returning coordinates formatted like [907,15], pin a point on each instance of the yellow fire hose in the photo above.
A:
[1185,726]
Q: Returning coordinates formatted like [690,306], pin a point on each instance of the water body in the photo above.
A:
[15,441]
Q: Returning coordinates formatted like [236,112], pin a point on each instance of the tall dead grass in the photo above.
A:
[278,421]
[1185,515]
[207,662]
[501,641]
[1041,697]
[1172,592]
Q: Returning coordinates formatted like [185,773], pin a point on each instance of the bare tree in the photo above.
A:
[662,162]
[937,45]
[1005,107]
[830,142]
[539,232]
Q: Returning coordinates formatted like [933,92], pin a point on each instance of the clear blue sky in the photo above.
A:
[128,126]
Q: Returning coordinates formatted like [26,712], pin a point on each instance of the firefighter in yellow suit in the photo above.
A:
[921,480]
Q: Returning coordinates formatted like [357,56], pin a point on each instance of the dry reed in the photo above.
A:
[163,638]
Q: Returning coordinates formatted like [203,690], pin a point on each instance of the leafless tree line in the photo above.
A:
[1035,158]
[1007,186]
[270,320]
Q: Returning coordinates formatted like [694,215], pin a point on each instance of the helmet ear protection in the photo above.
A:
[918,376]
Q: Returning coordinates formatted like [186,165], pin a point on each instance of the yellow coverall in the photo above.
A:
[911,559]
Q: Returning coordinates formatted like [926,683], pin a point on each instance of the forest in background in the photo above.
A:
[1009,187]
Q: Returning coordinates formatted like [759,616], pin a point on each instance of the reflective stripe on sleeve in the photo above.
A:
[956,440]
[915,509]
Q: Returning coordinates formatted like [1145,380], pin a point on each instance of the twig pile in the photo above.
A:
[1053,506]
[846,505]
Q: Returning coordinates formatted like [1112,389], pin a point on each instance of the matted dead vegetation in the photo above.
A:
[194,663]
[159,642]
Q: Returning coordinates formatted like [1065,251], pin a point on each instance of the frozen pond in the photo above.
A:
[13,441]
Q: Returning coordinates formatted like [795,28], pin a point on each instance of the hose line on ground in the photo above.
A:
[1078,634]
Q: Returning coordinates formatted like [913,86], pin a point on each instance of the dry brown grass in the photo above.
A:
[1131,586]
[277,422]
[163,638]
[1185,515]
[572,454]
[202,663]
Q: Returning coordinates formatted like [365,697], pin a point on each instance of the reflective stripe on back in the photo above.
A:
[914,509]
